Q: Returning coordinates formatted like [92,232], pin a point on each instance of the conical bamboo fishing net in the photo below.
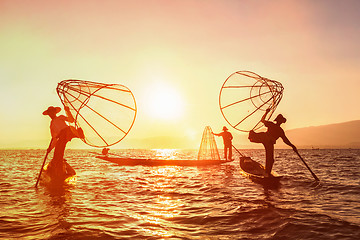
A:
[105,112]
[208,149]
[244,98]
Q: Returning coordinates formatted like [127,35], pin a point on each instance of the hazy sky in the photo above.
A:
[181,51]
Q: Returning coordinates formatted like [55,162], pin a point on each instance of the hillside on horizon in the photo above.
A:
[337,135]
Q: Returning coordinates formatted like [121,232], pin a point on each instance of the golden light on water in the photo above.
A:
[163,207]
[168,207]
[165,153]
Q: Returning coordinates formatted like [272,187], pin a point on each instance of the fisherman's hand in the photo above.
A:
[267,110]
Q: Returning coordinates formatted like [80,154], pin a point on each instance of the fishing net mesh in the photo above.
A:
[244,98]
[208,149]
[105,112]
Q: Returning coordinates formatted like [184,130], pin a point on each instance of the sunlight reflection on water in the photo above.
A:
[110,201]
[165,153]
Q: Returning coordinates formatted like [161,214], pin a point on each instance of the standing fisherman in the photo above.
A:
[227,138]
[61,134]
[268,138]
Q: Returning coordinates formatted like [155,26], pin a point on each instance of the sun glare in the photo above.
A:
[164,102]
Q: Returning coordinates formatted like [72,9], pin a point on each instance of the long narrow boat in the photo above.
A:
[256,172]
[159,162]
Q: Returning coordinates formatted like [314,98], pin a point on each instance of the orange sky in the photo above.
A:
[187,48]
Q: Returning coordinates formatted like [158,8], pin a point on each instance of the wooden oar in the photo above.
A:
[313,174]
[241,155]
[47,153]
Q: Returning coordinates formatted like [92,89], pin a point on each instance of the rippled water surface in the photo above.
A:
[109,201]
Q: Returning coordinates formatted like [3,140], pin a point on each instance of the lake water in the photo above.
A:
[109,201]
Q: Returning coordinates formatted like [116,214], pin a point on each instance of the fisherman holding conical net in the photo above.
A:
[243,98]
[227,138]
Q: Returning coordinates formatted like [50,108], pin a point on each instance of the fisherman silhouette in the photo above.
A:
[61,134]
[268,138]
[105,151]
[227,138]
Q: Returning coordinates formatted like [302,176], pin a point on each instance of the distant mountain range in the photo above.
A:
[339,135]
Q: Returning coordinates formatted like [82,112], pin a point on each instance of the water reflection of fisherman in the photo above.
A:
[227,138]
[61,134]
[268,138]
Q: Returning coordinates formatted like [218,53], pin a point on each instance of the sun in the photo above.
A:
[164,102]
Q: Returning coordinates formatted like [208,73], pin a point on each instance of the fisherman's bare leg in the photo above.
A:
[269,151]
[230,152]
[58,167]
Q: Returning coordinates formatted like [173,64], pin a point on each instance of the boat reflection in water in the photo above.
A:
[55,202]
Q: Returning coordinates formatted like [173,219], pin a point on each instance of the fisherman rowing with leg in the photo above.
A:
[268,138]
[61,134]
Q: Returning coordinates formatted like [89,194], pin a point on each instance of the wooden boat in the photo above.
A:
[49,178]
[123,161]
[256,172]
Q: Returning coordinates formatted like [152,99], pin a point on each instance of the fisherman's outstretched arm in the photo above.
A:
[70,117]
[287,141]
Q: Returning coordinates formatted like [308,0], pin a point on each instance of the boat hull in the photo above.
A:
[50,179]
[256,172]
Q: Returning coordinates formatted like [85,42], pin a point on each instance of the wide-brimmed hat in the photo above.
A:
[280,118]
[225,128]
[52,109]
